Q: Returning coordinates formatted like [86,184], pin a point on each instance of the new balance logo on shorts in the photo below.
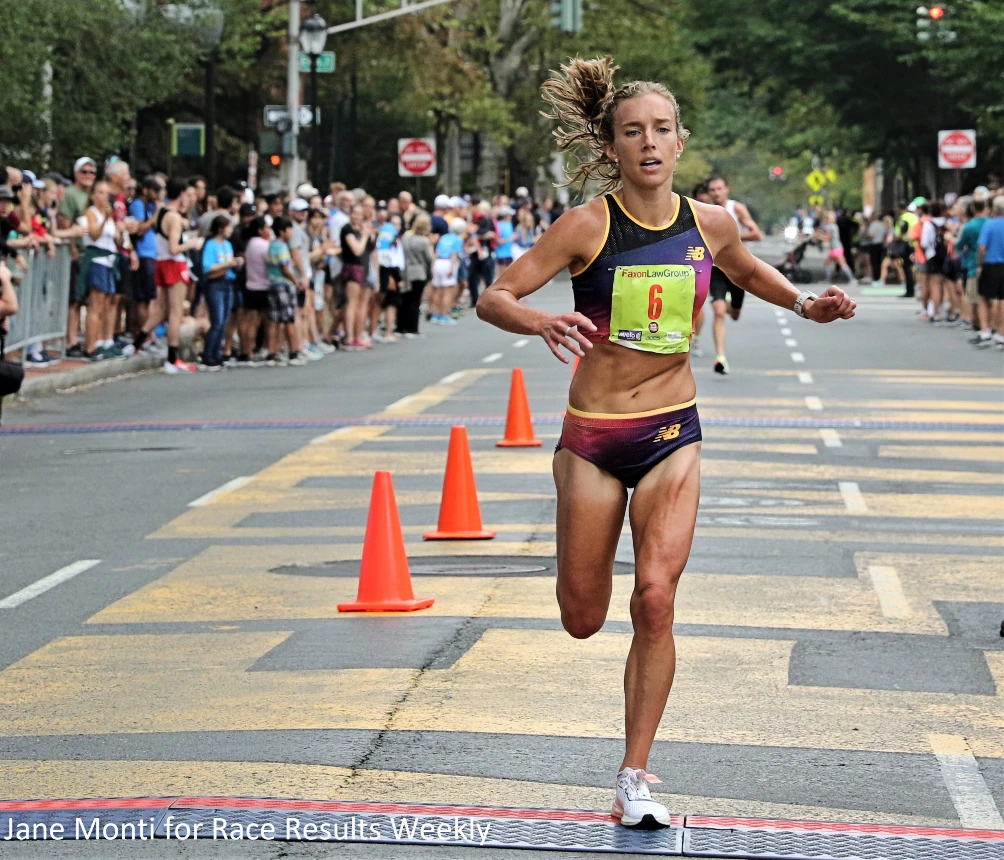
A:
[667,433]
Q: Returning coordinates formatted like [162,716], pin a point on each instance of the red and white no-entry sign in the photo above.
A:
[957,148]
[416,156]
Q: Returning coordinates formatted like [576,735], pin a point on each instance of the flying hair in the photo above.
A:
[583,100]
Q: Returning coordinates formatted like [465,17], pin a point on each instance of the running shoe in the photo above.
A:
[981,342]
[128,350]
[97,355]
[311,354]
[75,351]
[721,365]
[634,805]
[180,367]
[296,361]
[378,338]
[322,347]
[273,360]
[39,360]
[695,348]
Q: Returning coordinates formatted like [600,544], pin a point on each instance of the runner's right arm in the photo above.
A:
[569,243]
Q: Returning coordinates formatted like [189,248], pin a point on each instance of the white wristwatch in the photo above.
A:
[803,297]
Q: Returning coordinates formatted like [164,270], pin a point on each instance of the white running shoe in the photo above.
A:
[634,805]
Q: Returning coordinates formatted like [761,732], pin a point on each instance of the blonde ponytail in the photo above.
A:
[584,100]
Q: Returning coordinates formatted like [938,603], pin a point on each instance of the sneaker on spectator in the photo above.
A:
[322,347]
[260,355]
[97,355]
[179,367]
[230,361]
[311,354]
[112,353]
[296,361]
[273,360]
[128,350]
[39,360]
[154,349]
[378,338]
[211,367]
[75,351]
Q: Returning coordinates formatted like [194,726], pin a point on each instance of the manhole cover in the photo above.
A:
[474,569]
[444,565]
[463,565]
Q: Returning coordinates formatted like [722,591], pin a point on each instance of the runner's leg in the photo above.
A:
[663,515]
[591,504]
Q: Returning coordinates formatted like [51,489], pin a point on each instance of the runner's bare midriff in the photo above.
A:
[614,379]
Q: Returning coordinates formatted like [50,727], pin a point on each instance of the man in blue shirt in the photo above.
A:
[143,210]
[991,276]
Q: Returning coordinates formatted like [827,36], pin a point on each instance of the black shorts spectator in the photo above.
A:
[256,300]
[144,288]
[991,284]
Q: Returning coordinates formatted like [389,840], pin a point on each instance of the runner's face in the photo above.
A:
[646,143]
[719,191]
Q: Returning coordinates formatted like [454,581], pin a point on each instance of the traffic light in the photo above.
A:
[567,15]
[931,21]
[275,160]
[777,174]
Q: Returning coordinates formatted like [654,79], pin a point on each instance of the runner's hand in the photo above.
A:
[566,331]
[832,305]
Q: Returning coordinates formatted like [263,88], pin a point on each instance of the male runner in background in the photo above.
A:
[721,286]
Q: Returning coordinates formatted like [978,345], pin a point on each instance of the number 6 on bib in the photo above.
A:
[652,308]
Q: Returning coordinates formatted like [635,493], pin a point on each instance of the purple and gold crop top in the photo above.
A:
[645,285]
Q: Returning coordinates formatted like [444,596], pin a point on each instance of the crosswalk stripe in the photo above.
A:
[886,582]
[966,786]
[853,500]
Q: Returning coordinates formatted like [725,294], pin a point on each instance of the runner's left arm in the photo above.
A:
[764,281]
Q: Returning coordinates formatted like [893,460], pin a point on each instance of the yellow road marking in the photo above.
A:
[987,453]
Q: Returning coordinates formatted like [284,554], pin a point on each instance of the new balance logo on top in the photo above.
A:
[695,252]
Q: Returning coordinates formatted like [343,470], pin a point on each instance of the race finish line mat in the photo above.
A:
[233,819]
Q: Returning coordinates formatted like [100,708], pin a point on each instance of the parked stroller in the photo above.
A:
[791,266]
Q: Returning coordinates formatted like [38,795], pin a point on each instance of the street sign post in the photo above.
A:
[325,62]
[957,148]
[416,156]
[252,169]
[275,115]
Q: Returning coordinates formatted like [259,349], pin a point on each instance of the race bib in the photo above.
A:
[652,308]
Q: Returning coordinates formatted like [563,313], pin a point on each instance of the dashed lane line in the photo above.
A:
[489,359]
[235,484]
[786,332]
[966,786]
[814,403]
[798,358]
[519,344]
[47,582]
[887,585]
[853,500]
[453,377]
[831,438]
[399,404]
[790,341]
[805,378]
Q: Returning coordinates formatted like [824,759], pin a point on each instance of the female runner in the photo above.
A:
[640,260]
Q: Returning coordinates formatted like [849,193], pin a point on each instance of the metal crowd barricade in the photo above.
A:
[43,297]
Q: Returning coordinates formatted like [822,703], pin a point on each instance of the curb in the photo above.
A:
[61,380]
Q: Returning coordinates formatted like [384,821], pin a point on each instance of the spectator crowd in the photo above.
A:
[163,264]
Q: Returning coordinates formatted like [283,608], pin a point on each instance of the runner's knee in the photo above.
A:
[580,616]
[652,608]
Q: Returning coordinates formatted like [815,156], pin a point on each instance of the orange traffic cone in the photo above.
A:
[459,513]
[384,577]
[518,426]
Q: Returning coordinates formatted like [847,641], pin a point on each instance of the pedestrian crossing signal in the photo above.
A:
[567,15]
[275,160]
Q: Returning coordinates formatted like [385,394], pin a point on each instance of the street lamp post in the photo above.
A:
[313,35]
[210,33]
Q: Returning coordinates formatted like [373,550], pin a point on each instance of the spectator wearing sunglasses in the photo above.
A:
[75,203]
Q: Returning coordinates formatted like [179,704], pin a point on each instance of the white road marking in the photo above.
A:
[786,331]
[519,344]
[798,358]
[966,786]
[814,403]
[47,582]
[890,591]
[453,377]
[805,378]
[235,484]
[488,359]
[782,319]
[778,312]
[853,500]
[830,437]
[397,404]
[790,341]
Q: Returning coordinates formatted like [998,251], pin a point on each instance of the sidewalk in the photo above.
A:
[72,373]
